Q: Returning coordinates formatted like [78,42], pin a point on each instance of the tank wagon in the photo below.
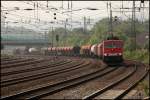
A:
[63,51]
[110,50]
[94,50]
[34,51]
[86,50]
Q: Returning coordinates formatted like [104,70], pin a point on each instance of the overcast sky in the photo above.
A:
[40,19]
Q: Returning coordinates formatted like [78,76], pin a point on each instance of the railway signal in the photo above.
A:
[142,1]
[116,18]
[54,16]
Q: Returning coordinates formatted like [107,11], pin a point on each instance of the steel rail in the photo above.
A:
[22,63]
[126,91]
[5,58]
[70,83]
[42,65]
[96,93]
[42,87]
[32,77]
[12,61]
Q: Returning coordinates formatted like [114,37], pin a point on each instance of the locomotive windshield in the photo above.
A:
[113,44]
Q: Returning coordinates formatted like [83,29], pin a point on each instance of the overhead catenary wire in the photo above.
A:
[22,21]
[23,16]
[71,15]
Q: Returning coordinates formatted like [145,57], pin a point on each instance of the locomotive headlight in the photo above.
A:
[120,54]
[105,54]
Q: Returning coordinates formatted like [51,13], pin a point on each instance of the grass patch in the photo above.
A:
[144,85]
[141,55]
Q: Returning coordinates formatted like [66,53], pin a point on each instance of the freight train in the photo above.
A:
[109,50]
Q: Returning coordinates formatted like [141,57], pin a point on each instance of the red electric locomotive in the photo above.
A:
[111,50]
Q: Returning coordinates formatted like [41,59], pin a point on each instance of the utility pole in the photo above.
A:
[133,25]
[65,31]
[110,24]
[111,28]
[45,36]
[21,26]
[6,28]
[62,5]
[52,29]
[47,4]
[84,28]
[52,35]
[66,26]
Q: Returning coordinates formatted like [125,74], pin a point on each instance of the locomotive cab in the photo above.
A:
[113,50]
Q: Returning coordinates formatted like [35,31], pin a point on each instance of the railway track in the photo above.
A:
[39,92]
[31,67]
[134,84]
[30,77]
[82,80]
[9,59]
[78,66]
[38,56]
[97,94]
[25,62]
[15,60]
[5,58]
[71,66]
[44,90]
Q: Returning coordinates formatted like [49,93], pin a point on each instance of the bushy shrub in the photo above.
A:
[141,55]
[144,85]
